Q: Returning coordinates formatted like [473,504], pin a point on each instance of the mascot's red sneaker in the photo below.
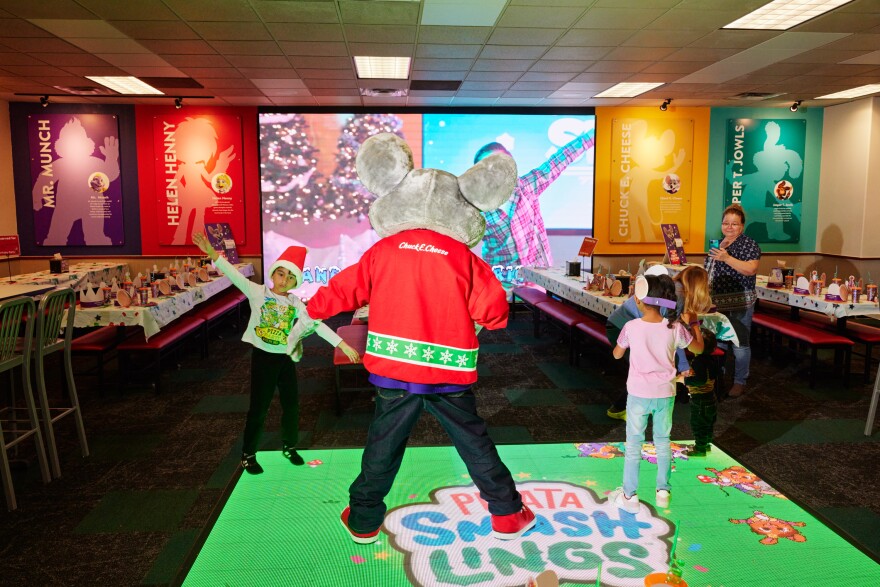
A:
[513,525]
[367,538]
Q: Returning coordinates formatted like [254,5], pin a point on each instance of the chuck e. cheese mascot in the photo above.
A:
[428,296]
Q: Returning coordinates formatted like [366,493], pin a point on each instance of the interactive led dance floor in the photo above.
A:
[732,528]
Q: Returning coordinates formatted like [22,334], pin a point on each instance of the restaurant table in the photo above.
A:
[839,310]
[160,311]
[555,281]
[15,290]
[78,277]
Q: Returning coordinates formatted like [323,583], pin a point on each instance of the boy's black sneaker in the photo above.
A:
[250,464]
[291,455]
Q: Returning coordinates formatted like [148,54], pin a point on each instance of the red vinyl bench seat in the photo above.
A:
[815,336]
[158,346]
[566,316]
[356,336]
[97,343]
[864,334]
[217,308]
[531,297]
[101,340]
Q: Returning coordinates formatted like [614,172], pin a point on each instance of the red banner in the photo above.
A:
[198,175]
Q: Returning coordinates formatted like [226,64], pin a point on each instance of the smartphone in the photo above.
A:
[714,243]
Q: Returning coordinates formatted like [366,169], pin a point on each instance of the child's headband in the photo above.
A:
[641,291]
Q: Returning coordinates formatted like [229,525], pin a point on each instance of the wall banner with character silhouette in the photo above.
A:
[199,178]
[76,189]
[651,178]
[764,172]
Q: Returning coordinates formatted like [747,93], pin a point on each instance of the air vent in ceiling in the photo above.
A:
[384,92]
[435,85]
[85,90]
[756,95]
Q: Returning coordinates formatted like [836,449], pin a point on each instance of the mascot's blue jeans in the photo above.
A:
[397,411]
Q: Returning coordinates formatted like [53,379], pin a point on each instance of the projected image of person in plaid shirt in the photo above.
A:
[515,232]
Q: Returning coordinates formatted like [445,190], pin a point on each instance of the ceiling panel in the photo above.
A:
[155,29]
[524,52]
[306,32]
[213,10]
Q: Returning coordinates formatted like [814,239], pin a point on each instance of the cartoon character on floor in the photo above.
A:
[429,296]
[742,479]
[649,452]
[599,450]
[772,529]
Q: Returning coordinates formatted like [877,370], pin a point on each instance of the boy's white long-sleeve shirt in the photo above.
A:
[278,323]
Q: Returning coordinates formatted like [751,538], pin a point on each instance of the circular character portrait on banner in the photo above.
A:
[783,190]
[221,183]
[671,183]
[99,182]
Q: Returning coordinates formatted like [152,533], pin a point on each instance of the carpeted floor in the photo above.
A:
[135,511]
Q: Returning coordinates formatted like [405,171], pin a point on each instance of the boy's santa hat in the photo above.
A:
[293,259]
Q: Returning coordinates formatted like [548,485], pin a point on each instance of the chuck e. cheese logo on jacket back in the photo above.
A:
[275,322]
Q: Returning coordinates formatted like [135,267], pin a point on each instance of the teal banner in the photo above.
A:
[764,173]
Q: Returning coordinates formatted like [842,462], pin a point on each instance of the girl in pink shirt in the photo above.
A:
[652,341]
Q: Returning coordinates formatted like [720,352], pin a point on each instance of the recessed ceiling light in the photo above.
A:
[125,84]
[627,90]
[852,92]
[783,14]
[382,67]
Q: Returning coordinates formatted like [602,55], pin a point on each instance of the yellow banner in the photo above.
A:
[651,178]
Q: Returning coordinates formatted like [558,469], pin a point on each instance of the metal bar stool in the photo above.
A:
[16,352]
[56,307]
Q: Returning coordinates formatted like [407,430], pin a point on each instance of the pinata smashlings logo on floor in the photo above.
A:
[449,541]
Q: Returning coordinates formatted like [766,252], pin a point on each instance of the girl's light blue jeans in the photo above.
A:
[637,411]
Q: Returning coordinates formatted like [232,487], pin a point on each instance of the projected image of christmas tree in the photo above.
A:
[291,184]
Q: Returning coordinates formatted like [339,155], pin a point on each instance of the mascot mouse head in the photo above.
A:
[429,198]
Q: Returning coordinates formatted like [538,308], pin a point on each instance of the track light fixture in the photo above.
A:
[178,103]
[44,101]
[794,107]
[665,105]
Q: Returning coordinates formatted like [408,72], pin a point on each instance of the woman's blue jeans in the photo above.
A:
[637,411]
[741,320]
[397,411]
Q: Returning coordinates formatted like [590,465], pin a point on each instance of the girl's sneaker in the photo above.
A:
[663,498]
[627,504]
[250,464]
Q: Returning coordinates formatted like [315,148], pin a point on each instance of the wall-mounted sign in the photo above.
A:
[198,166]
[764,173]
[651,178]
[77,194]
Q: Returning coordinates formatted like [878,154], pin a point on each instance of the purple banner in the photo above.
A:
[77,193]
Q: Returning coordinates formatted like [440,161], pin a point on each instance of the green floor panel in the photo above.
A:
[805,431]
[171,558]
[282,527]
[564,376]
[218,404]
[510,434]
[139,511]
[537,397]
[195,375]
[123,447]
[500,349]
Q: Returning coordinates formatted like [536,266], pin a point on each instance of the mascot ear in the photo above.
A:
[382,162]
[489,183]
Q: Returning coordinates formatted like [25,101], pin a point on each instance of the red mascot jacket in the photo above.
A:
[425,292]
